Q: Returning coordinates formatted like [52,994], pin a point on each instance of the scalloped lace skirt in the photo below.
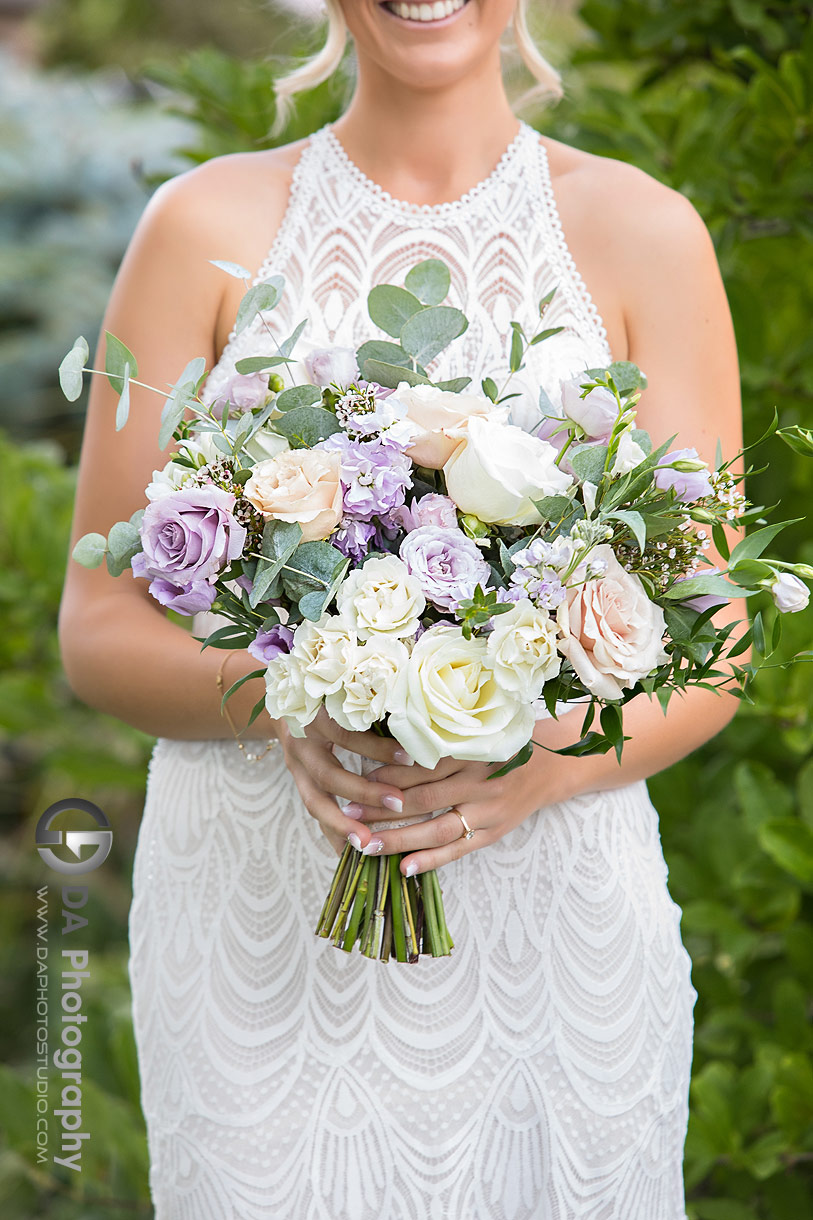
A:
[539,1073]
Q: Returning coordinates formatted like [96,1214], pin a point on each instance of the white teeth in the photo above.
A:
[425,12]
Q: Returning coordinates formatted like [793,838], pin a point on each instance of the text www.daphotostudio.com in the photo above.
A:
[60,1022]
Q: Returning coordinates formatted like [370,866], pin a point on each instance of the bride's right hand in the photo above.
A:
[320,777]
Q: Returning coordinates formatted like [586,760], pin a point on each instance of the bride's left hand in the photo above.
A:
[491,807]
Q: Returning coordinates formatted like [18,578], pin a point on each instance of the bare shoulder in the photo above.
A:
[625,211]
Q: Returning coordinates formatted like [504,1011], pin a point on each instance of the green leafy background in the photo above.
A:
[713,97]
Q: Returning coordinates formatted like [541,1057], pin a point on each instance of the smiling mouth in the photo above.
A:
[437,10]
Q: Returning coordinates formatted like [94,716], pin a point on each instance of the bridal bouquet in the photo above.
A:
[396,551]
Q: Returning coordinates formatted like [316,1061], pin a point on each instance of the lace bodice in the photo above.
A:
[503,242]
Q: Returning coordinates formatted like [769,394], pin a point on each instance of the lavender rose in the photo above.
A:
[276,642]
[684,470]
[189,536]
[190,598]
[440,511]
[446,564]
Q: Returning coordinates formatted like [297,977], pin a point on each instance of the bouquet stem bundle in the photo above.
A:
[371,903]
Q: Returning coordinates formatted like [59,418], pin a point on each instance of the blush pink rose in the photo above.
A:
[435,412]
[302,485]
[611,632]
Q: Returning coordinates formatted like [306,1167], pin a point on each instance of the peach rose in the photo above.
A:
[611,631]
[301,485]
[436,411]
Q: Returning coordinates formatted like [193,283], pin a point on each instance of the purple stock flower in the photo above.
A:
[189,598]
[189,535]
[374,475]
[275,642]
[689,485]
[445,562]
[353,537]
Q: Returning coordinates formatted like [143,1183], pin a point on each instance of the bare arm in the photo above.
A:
[120,651]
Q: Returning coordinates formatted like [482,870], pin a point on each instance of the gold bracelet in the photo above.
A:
[225,712]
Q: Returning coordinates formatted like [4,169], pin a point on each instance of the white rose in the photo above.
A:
[325,650]
[611,631]
[789,593]
[522,650]
[375,684]
[434,412]
[498,470]
[285,695]
[628,455]
[266,444]
[382,597]
[454,706]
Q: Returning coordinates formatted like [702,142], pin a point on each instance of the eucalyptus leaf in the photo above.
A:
[429,281]
[256,364]
[390,307]
[90,550]
[306,426]
[288,345]
[429,331]
[261,297]
[123,405]
[117,358]
[313,567]
[489,387]
[71,380]
[390,375]
[382,349]
[455,385]
[123,541]
[235,269]
[553,508]
[279,541]
[588,462]
[220,442]
[627,376]
[298,396]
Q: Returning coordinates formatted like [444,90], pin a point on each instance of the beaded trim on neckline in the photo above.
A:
[452,207]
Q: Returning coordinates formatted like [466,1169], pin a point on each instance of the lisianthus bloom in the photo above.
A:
[595,414]
[686,472]
[275,642]
[374,685]
[522,649]
[446,564]
[325,650]
[789,593]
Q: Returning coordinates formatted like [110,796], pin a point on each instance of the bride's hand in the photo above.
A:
[320,777]
[491,806]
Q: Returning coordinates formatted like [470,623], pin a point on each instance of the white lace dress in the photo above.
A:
[539,1073]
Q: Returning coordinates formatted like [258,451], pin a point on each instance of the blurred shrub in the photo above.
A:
[73,155]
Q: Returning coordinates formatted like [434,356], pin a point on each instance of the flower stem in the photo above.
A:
[396,906]
[328,916]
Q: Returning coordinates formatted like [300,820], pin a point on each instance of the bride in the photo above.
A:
[542,1070]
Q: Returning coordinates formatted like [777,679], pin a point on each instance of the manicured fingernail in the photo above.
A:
[373,847]
[394,803]
[354,841]
[352,810]
[406,760]
[411,869]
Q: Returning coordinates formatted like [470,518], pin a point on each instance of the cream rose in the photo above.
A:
[611,631]
[381,597]
[498,470]
[454,706]
[522,649]
[301,485]
[326,651]
[375,685]
[285,695]
[436,411]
